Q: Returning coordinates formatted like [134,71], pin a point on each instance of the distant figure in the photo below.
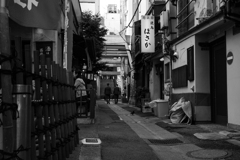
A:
[116,93]
[79,86]
[81,93]
[124,92]
[107,92]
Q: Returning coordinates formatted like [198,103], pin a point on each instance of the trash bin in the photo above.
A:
[162,108]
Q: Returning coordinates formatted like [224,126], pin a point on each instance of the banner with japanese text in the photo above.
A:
[147,34]
[44,14]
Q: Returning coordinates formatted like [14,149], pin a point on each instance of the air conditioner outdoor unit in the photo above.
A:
[164,20]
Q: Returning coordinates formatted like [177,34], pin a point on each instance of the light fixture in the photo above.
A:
[162,59]
[84,67]
[175,54]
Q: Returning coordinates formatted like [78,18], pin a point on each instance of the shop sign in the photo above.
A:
[147,34]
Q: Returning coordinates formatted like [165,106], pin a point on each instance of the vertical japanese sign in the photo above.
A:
[147,34]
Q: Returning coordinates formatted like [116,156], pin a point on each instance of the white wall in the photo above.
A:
[154,83]
[104,4]
[112,22]
[201,83]
[181,48]
[202,68]
[233,78]
[143,8]
[88,7]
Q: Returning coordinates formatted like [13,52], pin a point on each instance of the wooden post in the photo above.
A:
[61,112]
[56,110]
[6,132]
[28,68]
[64,111]
[75,112]
[67,126]
[51,110]
[45,106]
[38,108]
[70,110]
[33,125]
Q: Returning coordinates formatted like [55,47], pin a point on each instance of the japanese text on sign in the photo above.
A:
[147,34]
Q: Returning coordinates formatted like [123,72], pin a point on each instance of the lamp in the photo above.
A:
[173,55]
[176,54]
[84,68]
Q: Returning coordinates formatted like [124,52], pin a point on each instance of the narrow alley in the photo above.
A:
[126,135]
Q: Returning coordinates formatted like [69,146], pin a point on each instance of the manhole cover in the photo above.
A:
[91,141]
[208,154]
[165,141]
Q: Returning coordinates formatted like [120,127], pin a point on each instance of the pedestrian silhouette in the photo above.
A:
[107,92]
[116,93]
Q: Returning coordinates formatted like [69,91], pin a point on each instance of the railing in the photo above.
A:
[42,124]
[183,20]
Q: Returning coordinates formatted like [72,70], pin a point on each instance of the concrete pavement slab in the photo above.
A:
[210,136]
[234,141]
[160,132]
[230,133]
[90,152]
[142,132]
[167,153]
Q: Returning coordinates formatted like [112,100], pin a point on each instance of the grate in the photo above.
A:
[165,141]
[91,141]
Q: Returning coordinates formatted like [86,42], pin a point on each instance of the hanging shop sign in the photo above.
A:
[147,34]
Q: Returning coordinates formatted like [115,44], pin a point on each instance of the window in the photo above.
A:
[167,72]
[112,8]
[190,63]
[185,16]
[179,78]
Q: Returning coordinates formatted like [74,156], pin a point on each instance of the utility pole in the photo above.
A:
[7,135]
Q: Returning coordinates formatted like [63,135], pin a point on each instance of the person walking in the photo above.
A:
[116,93]
[81,94]
[107,92]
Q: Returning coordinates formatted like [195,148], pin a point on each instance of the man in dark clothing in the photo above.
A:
[116,93]
[107,93]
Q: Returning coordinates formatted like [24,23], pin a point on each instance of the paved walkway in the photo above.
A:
[110,125]
[146,129]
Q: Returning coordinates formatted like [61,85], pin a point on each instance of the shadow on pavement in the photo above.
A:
[187,132]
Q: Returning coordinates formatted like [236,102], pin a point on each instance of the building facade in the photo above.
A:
[56,44]
[198,59]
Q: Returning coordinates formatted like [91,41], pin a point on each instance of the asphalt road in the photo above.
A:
[119,141]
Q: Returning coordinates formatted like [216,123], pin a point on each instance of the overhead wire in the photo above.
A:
[134,16]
